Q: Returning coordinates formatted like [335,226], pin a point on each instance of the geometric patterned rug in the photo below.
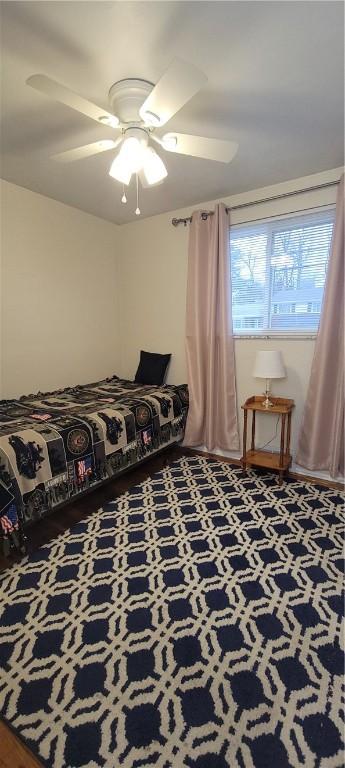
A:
[195,621]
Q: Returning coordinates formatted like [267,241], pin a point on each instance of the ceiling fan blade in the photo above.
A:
[177,86]
[199,146]
[86,151]
[62,94]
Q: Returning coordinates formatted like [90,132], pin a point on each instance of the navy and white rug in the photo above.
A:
[195,622]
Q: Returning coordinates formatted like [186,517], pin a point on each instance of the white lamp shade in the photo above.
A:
[269,365]
[153,167]
[134,156]
[119,170]
[132,153]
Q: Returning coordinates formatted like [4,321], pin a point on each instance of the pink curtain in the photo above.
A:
[321,439]
[212,417]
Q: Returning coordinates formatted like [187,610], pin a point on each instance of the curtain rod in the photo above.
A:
[206,214]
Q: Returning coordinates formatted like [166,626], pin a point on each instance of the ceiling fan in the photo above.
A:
[138,110]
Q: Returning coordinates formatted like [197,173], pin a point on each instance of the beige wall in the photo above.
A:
[59,294]
[153,269]
[80,296]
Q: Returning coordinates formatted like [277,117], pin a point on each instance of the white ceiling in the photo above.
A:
[275,85]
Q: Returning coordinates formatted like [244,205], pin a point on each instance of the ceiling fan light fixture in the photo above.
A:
[150,118]
[131,156]
[169,142]
[153,167]
[112,121]
[132,153]
[120,171]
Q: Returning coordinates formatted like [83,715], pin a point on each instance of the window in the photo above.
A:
[278,271]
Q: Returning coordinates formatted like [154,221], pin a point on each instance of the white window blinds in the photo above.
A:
[278,271]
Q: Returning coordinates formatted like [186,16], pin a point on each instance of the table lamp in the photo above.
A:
[269,365]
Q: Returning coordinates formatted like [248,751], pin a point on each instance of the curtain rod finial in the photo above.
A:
[176,222]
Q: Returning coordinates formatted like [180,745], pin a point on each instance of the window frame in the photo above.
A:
[269,333]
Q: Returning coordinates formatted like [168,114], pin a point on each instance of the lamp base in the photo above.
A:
[267,402]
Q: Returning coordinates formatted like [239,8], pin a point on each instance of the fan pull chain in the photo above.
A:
[123,198]
[137,210]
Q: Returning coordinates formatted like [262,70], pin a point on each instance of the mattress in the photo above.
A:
[55,445]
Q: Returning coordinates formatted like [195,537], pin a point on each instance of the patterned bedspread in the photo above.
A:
[57,444]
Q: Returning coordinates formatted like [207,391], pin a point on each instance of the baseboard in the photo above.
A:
[296,472]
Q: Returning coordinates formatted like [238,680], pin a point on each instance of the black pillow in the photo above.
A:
[152,368]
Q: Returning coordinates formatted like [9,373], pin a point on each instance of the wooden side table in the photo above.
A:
[268,459]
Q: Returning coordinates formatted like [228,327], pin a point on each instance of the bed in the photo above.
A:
[56,445]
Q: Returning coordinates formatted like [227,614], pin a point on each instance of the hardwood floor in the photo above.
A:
[13,753]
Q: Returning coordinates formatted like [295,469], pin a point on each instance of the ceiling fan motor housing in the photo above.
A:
[134,132]
[127,96]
